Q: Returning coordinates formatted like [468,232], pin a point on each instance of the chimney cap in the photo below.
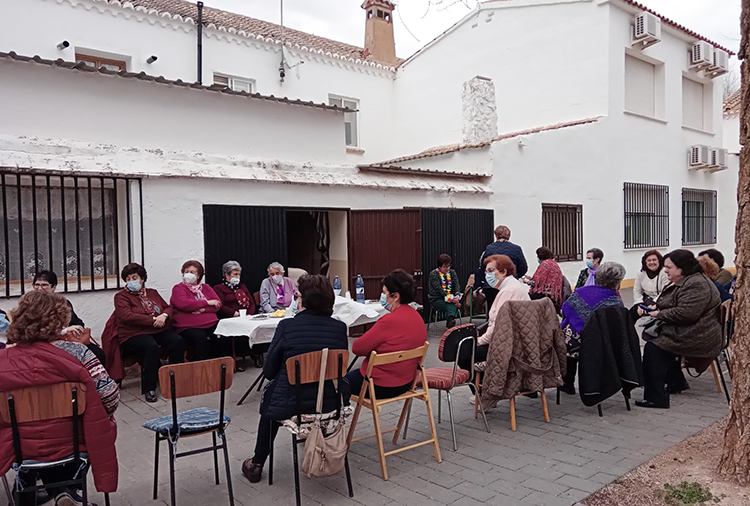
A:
[386,4]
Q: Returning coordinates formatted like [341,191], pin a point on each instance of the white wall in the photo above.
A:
[731,127]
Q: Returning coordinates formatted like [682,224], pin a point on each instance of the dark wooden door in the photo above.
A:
[254,236]
[383,240]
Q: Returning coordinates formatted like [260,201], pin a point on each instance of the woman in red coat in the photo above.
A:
[232,293]
[39,356]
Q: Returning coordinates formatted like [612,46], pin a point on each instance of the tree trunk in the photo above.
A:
[735,458]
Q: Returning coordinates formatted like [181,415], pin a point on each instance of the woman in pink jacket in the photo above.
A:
[195,306]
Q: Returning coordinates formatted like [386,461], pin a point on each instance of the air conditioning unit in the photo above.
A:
[646,29]
[701,55]
[699,157]
[720,63]
[718,159]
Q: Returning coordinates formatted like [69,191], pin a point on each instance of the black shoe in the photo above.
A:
[252,471]
[532,395]
[567,388]
[649,404]
[678,389]
[151,396]
[450,323]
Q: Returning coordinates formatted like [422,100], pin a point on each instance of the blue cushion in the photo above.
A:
[193,420]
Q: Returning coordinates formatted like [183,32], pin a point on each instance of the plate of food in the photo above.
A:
[279,313]
[259,317]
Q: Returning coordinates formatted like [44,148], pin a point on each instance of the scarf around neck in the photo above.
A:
[548,280]
[147,304]
[242,298]
[197,290]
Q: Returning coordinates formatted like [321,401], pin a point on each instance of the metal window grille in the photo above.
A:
[562,231]
[698,217]
[646,215]
[83,228]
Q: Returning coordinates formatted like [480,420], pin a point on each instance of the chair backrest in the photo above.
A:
[256,298]
[448,350]
[196,378]
[309,366]
[39,403]
[294,273]
[727,321]
[377,359]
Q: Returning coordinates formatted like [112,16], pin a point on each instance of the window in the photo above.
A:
[562,231]
[696,104]
[640,86]
[97,62]
[351,129]
[82,228]
[235,83]
[698,217]
[646,216]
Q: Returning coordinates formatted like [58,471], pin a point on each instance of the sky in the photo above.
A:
[419,21]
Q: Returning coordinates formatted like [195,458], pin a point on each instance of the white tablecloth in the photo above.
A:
[261,330]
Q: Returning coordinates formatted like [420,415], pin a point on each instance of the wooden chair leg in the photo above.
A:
[513,413]
[379,438]
[403,421]
[544,405]
[353,424]
[716,377]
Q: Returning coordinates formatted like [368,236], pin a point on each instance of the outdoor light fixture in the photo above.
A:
[151,59]
[62,45]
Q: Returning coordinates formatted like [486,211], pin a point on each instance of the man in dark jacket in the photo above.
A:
[501,246]
[311,330]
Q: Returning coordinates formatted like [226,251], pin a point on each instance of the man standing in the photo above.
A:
[501,246]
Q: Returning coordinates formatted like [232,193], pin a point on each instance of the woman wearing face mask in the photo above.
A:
[141,324]
[587,277]
[276,291]
[400,330]
[548,279]
[195,307]
[232,293]
[650,281]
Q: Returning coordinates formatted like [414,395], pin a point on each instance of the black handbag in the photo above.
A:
[651,328]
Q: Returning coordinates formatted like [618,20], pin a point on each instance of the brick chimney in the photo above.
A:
[379,41]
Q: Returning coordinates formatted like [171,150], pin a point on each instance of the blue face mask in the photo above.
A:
[295,306]
[590,263]
[384,302]
[133,286]
[4,323]
[539,260]
[491,279]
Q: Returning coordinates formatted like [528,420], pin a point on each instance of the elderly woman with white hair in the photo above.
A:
[276,291]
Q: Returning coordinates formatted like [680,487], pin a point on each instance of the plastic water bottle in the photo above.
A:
[337,286]
[360,289]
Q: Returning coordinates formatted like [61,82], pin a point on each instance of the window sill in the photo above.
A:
[700,131]
[354,150]
[644,116]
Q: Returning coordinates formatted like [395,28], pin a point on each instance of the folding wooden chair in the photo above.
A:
[301,370]
[36,404]
[187,380]
[367,399]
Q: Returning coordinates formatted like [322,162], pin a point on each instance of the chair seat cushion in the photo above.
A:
[193,420]
[328,422]
[439,378]
[38,464]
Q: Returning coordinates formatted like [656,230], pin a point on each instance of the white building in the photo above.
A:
[574,136]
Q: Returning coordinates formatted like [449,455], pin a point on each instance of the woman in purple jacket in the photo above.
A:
[195,306]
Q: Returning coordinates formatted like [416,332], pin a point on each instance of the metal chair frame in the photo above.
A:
[437,313]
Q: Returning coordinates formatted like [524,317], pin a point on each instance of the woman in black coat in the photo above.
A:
[311,330]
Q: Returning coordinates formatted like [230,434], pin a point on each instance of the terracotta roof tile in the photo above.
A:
[251,26]
[732,103]
[82,67]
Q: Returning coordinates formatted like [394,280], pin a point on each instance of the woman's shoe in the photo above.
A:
[649,404]
[70,498]
[151,396]
[252,471]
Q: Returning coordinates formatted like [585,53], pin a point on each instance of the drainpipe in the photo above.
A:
[200,42]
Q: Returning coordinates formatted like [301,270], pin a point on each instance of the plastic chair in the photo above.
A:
[448,378]
[187,380]
[36,404]
[367,399]
[301,370]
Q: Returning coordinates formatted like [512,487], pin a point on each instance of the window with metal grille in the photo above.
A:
[562,231]
[698,216]
[646,215]
[83,228]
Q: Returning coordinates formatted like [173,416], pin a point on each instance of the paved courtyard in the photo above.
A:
[546,464]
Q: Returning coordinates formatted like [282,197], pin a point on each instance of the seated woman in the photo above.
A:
[276,291]
[400,330]
[711,270]
[35,332]
[46,281]
[724,275]
[580,306]
[311,330]
[232,294]
[587,276]
[548,280]
[445,290]
[141,323]
[195,306]
[650,281]
[689,311]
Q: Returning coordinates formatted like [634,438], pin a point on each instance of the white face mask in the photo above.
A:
[189,278]
[278,278]
[234,281]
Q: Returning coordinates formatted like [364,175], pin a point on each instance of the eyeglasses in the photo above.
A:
[42,285]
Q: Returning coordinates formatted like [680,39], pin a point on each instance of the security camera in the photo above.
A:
[151,59]
[62,45]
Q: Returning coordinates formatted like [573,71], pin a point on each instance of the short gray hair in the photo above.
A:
[610,275]
[230,266]
[276,265]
